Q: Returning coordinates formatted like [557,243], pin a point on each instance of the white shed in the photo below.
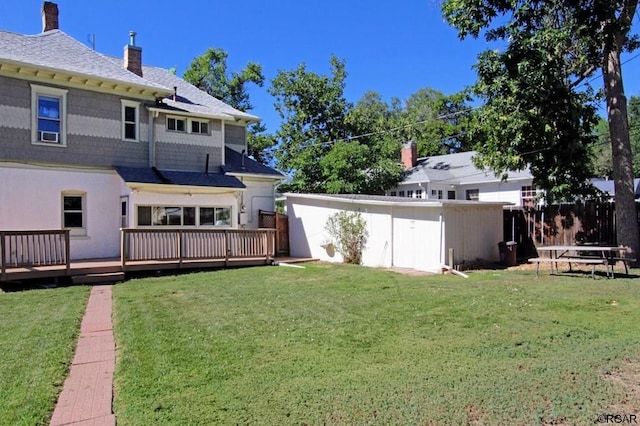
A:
[403,232]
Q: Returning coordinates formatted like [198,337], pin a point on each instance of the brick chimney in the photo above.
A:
[49,16]
[409,154]
[133,55]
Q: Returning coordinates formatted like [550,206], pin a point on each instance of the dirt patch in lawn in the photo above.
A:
[628,377]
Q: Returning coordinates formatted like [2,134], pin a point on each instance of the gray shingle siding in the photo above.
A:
[172,156]
[13,93]
[15,144]
[94,116]
[235,137]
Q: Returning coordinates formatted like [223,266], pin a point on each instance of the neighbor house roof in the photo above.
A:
[236,164]
[390,200]
[166,177]
[608,186]
[455,169]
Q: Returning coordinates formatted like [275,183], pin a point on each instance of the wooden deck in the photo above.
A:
[45,254]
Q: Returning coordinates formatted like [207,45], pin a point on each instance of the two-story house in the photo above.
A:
[455,177]
[93,143]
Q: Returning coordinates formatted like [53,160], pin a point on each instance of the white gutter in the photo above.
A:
[188,113]
[152,142]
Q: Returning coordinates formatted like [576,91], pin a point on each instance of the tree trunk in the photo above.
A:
[626,217]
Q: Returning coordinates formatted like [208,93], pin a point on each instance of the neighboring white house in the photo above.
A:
[93,143]
[607,186]
[407,233]
[455,177]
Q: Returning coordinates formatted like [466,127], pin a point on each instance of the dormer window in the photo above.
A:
[48,118]
[175,124]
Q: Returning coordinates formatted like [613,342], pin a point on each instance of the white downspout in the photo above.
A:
[224,126]
[442,260]
[152,136]
[392,238]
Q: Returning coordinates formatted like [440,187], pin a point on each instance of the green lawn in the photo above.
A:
[349,345]
[38,334]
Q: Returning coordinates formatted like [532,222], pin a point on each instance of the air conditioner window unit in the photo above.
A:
[49,136]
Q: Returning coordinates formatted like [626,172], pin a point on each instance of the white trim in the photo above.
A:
[131,104]
[416,203]
[188,114]
[51,166]
[163,188]
[36,91]
[256,176]
[44,74]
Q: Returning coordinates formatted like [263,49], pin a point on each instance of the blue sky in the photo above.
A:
[392,47]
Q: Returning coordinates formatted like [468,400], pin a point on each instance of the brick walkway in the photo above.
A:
[87,392]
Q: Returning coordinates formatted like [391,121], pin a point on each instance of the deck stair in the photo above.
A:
[99,278]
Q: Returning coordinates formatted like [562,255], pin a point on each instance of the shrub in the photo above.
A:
[349,233]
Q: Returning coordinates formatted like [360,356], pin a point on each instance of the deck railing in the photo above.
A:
[196,244]
[35,248]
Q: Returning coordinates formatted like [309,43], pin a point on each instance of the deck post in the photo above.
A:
[3,253]
[227,246]
[180,250]
[123,255]
[67,250]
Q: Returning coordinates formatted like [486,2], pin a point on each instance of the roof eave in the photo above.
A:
[256,175]
[188,113]
[183,189]
[70,77]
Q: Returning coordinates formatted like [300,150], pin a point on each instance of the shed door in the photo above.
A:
[405,238]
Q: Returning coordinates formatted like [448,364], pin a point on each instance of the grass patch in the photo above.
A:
[341,344]
[38,334]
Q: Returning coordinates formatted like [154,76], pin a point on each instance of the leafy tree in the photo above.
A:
[602,162]
[540,109]
[602,159]
[312,108]
[436,122]
[329,145]
[209,73]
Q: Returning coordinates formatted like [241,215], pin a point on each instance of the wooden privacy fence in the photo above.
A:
[564,224]
[279,222]
[36,248]
[196,244]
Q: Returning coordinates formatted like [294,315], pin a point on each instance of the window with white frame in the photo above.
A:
[409,194]
[400,193]
[130,120]
[436,194]
[392,193]
[200,127]
[473,194]
[451,195]
[183,216]
[418,193]
[48,115]
[528,196]
[74,212]
[176,124]
[216,216]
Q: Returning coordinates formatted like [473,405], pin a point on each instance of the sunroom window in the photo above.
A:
[183,216]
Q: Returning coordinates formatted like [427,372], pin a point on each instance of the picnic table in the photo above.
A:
[584,254]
